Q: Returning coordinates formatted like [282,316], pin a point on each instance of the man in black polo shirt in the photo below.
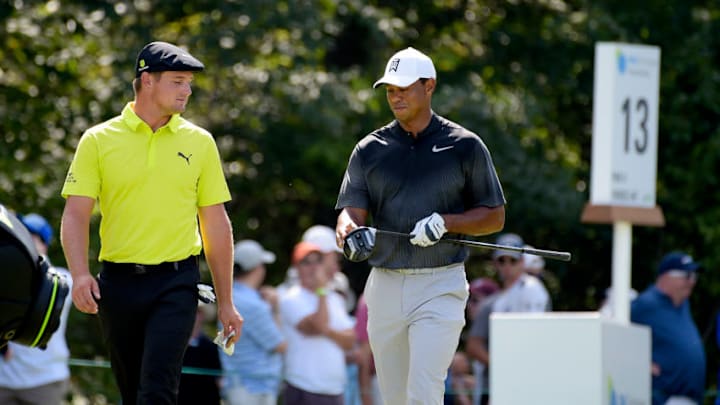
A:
[428,176]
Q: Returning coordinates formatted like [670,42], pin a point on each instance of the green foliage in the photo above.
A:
[287,92]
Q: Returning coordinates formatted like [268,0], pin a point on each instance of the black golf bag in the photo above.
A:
[31,295]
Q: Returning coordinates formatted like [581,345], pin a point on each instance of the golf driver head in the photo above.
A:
[359,244]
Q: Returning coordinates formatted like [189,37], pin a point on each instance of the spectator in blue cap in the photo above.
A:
[678,356]
[38,227]
[253,373]
[30,375]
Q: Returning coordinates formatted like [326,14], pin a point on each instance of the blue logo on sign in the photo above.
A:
[621,61]
[617,399]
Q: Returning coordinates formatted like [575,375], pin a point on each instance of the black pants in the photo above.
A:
[295,396]
[147,320]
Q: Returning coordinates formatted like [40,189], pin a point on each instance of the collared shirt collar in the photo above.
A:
[132,120]
[432,127]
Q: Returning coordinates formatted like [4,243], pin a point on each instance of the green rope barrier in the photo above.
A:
[106,364]
[710,393]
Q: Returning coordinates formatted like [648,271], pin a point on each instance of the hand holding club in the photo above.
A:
[428,230]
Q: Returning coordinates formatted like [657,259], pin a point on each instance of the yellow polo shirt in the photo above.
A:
[148,186]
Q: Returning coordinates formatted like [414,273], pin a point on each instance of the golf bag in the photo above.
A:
[31,294]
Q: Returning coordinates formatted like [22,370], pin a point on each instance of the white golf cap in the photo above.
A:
[323,237]
[406,67]
[250,254]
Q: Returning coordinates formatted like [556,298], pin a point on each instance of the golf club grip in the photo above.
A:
[549,254]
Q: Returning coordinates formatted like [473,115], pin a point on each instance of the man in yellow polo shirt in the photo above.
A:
[153,175]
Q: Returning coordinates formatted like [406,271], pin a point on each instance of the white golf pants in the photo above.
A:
[415,317]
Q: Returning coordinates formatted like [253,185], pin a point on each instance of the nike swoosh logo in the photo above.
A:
[436,149]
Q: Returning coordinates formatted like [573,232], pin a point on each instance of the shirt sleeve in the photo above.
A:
[484,187]
[261,327]
[212,186]
[353,190]
[83,177]
[481,325]
[339,318]
[638,311]
[536,298]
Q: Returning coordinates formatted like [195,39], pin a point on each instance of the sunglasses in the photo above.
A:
[688,275]
[506,259]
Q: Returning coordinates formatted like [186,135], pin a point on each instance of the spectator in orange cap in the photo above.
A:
[318,331]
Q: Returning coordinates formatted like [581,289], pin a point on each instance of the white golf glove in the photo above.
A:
[428,230]
[206,293]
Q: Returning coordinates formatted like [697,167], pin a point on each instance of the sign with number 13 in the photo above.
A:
[625,125]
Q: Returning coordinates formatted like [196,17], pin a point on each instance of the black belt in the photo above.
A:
[135,268]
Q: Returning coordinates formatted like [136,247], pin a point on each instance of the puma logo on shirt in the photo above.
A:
[187,158]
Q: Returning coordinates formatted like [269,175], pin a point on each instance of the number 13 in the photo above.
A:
[641,142]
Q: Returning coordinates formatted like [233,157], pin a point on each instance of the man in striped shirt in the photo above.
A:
[254,372]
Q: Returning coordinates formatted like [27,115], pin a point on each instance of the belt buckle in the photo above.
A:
[140,269]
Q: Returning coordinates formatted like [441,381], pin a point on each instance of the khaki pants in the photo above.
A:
[48,394]
[415,317]
[238,395]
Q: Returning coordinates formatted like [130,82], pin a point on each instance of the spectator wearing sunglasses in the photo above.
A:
[678,356]
[521,292]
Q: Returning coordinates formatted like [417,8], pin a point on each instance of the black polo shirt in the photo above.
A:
[400,179]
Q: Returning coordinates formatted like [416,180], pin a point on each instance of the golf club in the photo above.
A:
[550,254]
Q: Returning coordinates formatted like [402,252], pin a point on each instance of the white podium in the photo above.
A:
[568,358]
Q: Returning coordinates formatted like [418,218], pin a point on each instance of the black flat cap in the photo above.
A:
[161,57]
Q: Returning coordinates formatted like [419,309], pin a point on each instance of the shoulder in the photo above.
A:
[532,283]
[535,293]
[469,144]
[377,138]
[648,297]
[291,295]
[647,302]
[187,125]
[457,131]
[188,128]
[248,298]
[111,125]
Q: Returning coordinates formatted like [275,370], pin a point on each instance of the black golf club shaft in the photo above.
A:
[550,254]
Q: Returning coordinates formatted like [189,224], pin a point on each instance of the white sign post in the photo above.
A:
[586,358]
[624,152]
